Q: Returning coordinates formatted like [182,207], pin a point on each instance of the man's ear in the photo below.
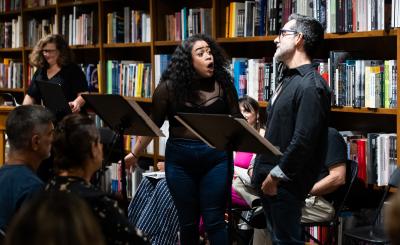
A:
[35,141]
[299,39]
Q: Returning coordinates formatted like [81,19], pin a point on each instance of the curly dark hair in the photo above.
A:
[181,73]
[312,30]
[73,140]
[37,59]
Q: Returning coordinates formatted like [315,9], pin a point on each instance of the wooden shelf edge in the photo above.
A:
[383,111]
[83,46]
[13,12]
[127,45]
[76,3]
[40,8]
[365,34]
[246,39]
[167,43]
[15,90]
[10,49]
[139,99]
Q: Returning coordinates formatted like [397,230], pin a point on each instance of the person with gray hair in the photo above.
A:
[29,132]
[283,184]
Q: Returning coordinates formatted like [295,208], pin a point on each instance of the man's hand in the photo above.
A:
[270,185]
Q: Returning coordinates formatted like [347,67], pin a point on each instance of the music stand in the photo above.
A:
[227,133]
[54,99]
[124,116]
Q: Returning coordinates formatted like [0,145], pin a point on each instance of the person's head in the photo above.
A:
[392,217]
[199,57]
[249,108]
[50,50]
[77,144]
[29,129]
[54,218]
[301,34]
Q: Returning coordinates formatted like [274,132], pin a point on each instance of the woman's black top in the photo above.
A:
[112,219]
[211,99]
[71,78]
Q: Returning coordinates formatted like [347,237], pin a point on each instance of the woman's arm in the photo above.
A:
[77,103]
[28,100]
[141,144]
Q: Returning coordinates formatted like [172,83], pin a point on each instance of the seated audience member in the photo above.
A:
[250,110]
[29,132]
[152,210]
[391,219]
[54,218]
[318,206]
[78,155]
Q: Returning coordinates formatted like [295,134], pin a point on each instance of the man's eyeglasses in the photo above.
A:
[283,33]
[48,51]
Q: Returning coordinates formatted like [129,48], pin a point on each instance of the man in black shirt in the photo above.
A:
[297,123]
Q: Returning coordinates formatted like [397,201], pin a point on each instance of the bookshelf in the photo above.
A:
[378,44]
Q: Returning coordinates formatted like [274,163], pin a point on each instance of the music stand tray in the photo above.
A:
[124,116]
[117,111]
[225,132]
[54,99]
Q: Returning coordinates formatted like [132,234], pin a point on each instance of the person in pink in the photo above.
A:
[250,109]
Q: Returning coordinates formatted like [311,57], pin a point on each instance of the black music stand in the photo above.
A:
[227,133]
[54,99]
[124,116]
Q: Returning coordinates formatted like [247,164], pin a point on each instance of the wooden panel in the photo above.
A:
[4,110]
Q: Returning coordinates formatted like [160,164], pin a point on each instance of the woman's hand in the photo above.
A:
[131,161]
[75,106]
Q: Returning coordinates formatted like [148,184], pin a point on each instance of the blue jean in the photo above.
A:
[197,177]
[283,213]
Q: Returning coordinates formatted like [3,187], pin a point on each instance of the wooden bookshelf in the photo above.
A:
[379,44]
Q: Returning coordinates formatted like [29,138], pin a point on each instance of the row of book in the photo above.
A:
[362,83]
[10,5]
[128,27]
[78,28]
[254,77]
[262,17]
[375,153]
[11,33]
[188,22]
[38,28]
[357,15]
[250,18]
[129,78]
[11,74]
[161,62]
[92,76]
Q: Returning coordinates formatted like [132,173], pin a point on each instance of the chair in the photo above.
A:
[247,217]
[374,233]
[332,225]
[2,236]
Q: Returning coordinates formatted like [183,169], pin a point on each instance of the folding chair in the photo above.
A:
[373,233]
[332,225]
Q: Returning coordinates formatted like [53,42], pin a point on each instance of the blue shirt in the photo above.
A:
[17,184]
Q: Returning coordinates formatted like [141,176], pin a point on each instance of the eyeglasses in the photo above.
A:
[283,33]
[49,51]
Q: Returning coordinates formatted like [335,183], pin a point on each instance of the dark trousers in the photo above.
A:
[197,177]
[283,213]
